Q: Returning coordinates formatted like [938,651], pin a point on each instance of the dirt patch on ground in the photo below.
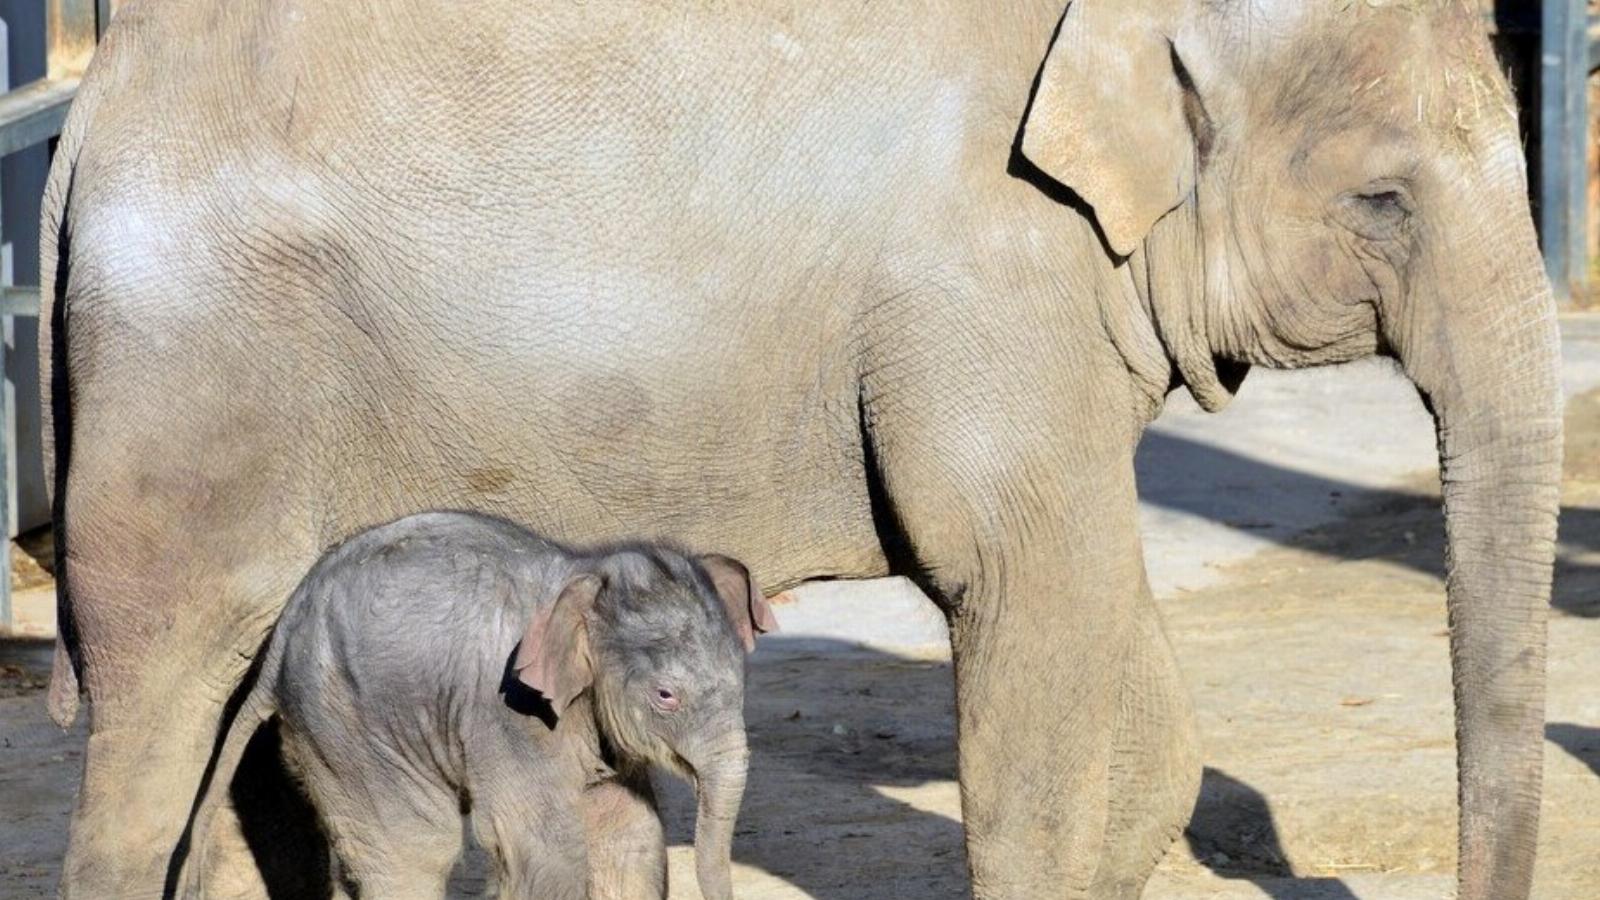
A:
[1320,672]
[21,681]
[33,560]
[39,771]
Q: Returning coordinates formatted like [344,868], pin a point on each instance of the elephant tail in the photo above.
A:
[62,702]
[106,72]
[54,253]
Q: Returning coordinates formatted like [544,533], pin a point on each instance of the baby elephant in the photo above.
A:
[393,678]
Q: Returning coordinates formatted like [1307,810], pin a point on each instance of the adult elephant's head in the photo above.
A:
[1296,183]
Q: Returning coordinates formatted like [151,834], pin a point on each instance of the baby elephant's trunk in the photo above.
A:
[719,778]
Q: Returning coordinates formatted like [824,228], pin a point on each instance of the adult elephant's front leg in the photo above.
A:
[1037,650]
[1040,569]
[1156,760]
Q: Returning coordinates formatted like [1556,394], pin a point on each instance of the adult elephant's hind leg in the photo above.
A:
[137,789]
[175,572]
[155,714]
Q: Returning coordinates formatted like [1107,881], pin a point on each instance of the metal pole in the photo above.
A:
[1578,151]
[7,621]
[1563,152]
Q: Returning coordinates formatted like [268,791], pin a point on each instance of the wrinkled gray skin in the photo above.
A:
[779,277]
[386,674]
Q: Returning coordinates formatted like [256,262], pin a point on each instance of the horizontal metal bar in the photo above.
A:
[19,301]
[34,112]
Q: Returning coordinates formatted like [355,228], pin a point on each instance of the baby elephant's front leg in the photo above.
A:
[626,843]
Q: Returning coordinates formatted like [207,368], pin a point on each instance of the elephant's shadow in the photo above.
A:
[1582,741]
[1233,834]
[851,817]
[1400,526]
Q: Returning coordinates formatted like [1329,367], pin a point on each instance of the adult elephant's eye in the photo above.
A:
[1384,203]
[1381,212]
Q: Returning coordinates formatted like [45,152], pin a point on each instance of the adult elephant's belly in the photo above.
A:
[600,424]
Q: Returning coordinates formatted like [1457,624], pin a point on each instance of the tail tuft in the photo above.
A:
[63,700]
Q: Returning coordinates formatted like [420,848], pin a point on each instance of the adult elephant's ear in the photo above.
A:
[1108,118]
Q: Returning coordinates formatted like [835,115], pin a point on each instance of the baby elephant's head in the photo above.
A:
[659,639]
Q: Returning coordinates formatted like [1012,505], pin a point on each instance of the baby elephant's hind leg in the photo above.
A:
[627,847]
[404,859]
[392,835]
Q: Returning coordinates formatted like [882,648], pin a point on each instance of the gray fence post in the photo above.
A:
[1564,130]
[6,400]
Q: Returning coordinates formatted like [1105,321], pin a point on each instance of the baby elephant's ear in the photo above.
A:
[745,603]
[553,657]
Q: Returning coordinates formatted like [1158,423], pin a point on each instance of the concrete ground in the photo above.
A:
[1295,544]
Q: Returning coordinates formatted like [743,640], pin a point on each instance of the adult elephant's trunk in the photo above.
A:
[719,789]
[1502,473]
[1483,346]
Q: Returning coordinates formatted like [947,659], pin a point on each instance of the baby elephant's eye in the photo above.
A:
[665,700]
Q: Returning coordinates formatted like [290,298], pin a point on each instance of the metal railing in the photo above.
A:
[33,114]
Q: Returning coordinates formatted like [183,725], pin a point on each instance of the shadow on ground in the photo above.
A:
[1581,741]
[852,761]
[1233,834]
[1407,527]
[842,735]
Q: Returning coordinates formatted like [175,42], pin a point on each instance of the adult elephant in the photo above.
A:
[843,289]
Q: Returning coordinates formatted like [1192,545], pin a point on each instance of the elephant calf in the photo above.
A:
[401,706]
